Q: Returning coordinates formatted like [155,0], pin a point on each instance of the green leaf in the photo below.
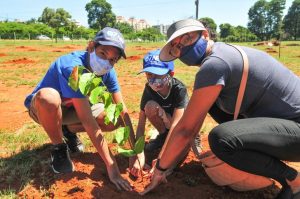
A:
[74,77]
[96,81]
[110,113]
[139,145]
[107,99]
[119,109]
[106,120]
[96,94]
[86,83]
[121,135]
[126,152]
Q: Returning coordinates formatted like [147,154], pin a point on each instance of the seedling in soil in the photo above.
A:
[91,85]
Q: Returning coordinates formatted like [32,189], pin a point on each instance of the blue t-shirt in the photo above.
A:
[272,90]
[58,74]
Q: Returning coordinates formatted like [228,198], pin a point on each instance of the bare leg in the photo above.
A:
[110,126]
[77,127]
[152,110]
[48,107]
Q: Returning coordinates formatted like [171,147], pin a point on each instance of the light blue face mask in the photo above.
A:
[99,66]
[194,54]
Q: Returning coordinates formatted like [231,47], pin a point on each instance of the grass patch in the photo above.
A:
[8,194]
[20,154]
[28,137]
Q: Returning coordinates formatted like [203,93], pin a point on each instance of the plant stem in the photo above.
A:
[131,145]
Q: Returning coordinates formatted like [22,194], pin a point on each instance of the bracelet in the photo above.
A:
[158,167]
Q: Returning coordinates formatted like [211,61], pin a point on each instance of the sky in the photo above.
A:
[154,12]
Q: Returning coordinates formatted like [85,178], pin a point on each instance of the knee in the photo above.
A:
[47,98]
[110,126]
[151,108]
[220,140]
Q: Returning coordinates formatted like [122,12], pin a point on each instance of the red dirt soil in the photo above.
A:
[133,58]
[20,61]
[91,181]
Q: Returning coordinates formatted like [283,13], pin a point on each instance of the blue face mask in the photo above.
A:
[194,54]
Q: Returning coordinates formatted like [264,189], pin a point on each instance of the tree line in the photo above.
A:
[266,21]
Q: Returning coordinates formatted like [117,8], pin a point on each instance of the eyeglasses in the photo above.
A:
[178,44]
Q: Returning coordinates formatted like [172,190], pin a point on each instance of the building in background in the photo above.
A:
[121,19]
[77,23]
[162,28]
[137,24]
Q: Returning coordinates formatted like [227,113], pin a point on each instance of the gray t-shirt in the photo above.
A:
[272,90]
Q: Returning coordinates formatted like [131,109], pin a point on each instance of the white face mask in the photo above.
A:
[99,66]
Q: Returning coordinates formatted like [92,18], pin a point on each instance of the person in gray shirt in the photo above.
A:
[267,131]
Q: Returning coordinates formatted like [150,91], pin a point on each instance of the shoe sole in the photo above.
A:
[57,172]
[78,149]
[197,150]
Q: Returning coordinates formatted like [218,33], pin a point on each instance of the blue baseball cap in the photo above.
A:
[111,37]
[152,64]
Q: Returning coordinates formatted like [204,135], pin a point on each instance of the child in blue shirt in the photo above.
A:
[62,111]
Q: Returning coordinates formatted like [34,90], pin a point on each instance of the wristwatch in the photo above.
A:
[158,167]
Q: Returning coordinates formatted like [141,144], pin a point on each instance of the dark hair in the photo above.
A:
[211,33]
[119,50]
[97,44]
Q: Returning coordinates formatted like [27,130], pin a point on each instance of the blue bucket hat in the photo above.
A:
[152,64]
[111,37]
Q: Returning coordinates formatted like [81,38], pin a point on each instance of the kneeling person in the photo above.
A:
[163,102]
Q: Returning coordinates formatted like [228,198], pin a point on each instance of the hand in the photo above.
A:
[151,171]
[138,164]
[117,179]
[157,178]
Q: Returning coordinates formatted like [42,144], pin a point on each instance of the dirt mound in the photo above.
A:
[134,58]
[25,48]
[293,45]
[57,51]
[66,48]
[22,47]
[267,43]
[3,54]
[70,47]
[271,50]
[20,61]
[90,180]
[142,48]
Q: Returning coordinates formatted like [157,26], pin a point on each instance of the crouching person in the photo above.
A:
[163,102]
[62,112]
